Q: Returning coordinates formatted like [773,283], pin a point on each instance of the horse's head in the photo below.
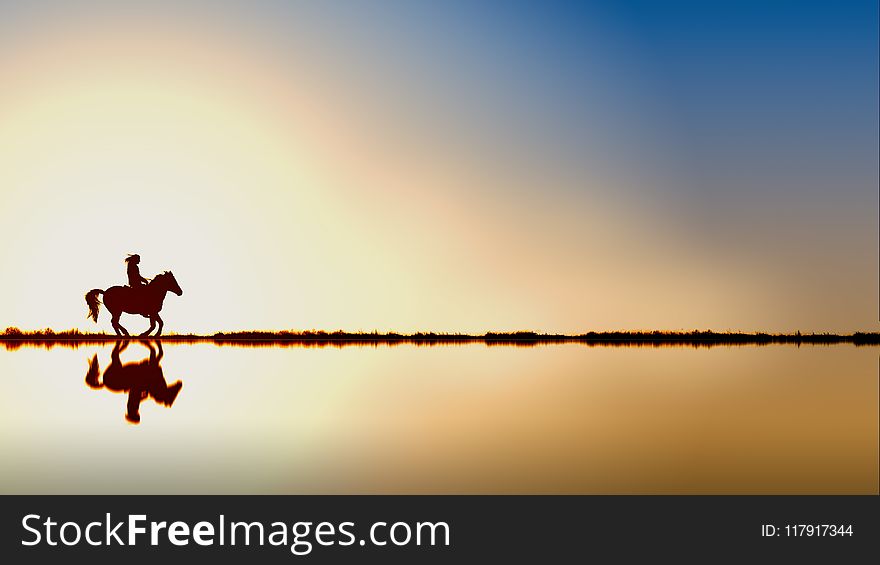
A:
[170,283]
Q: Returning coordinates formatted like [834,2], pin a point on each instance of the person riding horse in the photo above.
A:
[143,297]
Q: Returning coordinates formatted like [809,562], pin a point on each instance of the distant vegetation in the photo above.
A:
[13,337]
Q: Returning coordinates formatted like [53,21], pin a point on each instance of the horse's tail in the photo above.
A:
[94,373]
[94,303]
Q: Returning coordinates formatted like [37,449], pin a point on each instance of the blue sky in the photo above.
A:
[649,164]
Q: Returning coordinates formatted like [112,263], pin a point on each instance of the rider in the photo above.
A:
[135,280]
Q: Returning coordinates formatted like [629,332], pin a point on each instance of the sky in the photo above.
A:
[456,166]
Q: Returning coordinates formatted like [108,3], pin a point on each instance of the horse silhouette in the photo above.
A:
[142,380]
[146,301]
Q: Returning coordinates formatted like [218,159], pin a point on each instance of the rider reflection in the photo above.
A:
[142,379]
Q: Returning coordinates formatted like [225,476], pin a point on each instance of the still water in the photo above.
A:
[472,418]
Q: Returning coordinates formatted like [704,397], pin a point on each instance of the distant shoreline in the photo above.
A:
[15,338]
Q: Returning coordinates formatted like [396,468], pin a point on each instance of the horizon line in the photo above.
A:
[13,337]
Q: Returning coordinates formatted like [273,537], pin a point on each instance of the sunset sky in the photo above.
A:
[454,166]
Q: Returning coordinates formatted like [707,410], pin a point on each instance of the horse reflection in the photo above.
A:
[142,379]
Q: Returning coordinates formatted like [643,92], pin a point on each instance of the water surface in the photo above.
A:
[563,418]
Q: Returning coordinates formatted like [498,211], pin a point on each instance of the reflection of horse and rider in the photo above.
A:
[142,380]
[141,296]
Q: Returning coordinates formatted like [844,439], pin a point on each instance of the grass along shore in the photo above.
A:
[13,337]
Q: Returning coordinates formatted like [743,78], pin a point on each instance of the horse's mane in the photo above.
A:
[160,276]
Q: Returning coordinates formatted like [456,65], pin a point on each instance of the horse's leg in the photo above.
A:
[115,321]
[117,349]
[158,319]
[120,326]
[152,326]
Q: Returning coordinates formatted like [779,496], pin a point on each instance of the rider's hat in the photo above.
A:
[133,257]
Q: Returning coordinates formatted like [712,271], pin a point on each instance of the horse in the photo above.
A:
[141,380]
[146,301]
